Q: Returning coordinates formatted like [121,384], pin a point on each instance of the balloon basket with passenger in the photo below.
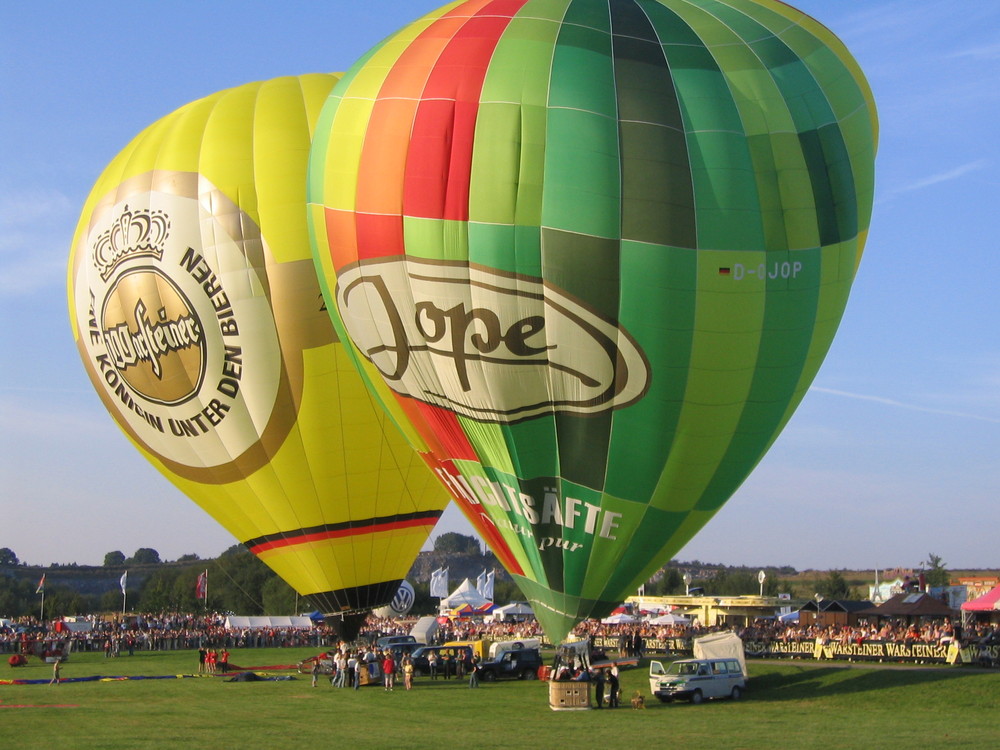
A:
[569,677]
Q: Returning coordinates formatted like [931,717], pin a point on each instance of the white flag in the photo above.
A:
[439,583]
[487,591]
[481,584]
[124,578]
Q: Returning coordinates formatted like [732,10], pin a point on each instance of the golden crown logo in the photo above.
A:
[140,233]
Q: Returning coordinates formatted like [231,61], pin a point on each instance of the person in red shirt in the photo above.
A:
[388,670]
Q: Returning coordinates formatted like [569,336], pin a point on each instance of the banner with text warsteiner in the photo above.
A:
[865,650]
[810,649]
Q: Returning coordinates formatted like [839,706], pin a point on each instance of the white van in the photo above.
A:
[697,679]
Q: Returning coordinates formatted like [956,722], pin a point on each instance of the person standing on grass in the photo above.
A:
[388,670]
[341,661]
[359,664]
[611,676]
[474,672]
[599,687]
[352,668]
[55,671]
[408,672]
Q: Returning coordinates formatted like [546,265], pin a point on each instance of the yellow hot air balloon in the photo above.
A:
[196,310]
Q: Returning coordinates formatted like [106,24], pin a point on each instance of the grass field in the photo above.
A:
[789,704]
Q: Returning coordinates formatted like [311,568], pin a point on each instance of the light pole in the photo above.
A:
[818,597]
[761,577]
[687,584]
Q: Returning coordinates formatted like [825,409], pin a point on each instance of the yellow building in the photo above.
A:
[710,611]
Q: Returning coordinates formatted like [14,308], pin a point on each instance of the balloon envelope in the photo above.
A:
[197,313]
[598,251]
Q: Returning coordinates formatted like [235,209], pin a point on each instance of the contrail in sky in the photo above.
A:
[901,405]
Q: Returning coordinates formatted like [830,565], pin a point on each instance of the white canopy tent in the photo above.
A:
[512,611]
[670,619]
[466,593]
[620,619]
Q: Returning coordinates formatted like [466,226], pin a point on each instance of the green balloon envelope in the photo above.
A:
[597,251]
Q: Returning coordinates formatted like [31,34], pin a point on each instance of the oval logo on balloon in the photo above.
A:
[159,353]
[166,323]
[535,348]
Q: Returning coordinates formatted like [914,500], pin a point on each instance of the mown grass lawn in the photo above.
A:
[789,704]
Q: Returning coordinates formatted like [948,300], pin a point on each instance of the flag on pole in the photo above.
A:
[124,578]
[481,583]
[439,583]
[201,587]
[487,591]
[41,585]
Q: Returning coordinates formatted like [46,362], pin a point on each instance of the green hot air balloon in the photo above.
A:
[598,251]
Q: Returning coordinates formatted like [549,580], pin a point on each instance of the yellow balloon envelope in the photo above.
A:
[197,313]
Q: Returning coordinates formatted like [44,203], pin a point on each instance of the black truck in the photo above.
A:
[522,663]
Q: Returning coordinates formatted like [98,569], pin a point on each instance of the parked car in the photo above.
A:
[399,650]
[697,679]
[386,641]
[450,653]
[522,664]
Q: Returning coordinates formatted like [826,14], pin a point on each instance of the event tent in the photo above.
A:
[513,611]
[620,619]
[466,600]
[988,602]
[670,619]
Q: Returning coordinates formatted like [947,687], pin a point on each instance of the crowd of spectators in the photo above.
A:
[633,638]
[166,632]
[115,635]
[941,632]
[160,632]
[456,630]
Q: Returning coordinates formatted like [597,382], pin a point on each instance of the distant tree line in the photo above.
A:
[240,583]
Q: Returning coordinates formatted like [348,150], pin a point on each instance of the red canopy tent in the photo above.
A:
[985,603]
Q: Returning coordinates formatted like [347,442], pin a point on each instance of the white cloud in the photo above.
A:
[36,228]
[904,405]
[983,52]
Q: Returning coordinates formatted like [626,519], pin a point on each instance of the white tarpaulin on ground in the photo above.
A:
[240,622]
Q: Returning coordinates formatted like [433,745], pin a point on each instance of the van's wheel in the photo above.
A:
[737,693]
[489,675]
[529,674]
[697,697]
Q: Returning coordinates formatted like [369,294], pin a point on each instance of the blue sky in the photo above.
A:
[893,455]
